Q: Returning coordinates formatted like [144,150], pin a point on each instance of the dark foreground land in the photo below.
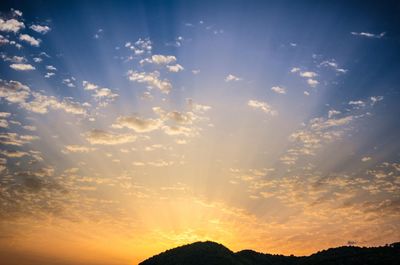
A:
[211,253]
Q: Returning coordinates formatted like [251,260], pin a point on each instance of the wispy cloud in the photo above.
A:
[369,35]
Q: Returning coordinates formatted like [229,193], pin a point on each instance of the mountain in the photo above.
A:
[211,253]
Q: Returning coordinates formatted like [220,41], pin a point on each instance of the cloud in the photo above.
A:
[89,86]
[104,93]
[40,29]
[262,106]
[332,113]
[101,137]
[100,93]
[376,99]
[16,139]
[14,91]
[17,12]
[369,35]
[22,67]
[231,78]
[40,104]
[312,82]
[295,70]
[14,59]
[13,154]
[69,82]
[196,107]
[140,47]
[332,64]
[308,74]
[357,103]
[179,130]
[48,75]
[151,79]
[51,68]
[366,158]
[77,149]
[137,124]
[11,25]
[29,39]
[159,59]
[175,68]
[37,59]
[278,89]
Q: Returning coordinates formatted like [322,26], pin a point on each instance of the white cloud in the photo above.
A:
[332,113]
[278,89]
[69,82]
[151,79]
[22,67]
[308,74]
[262,106]
[14,91]
[17,12]
[159,59]
[332,64]
[29,39]
[11,25]
[137,124]
[89,86]
[13,154]
[196,107]
[14,59]
[369,35]
[175,68]
[312,82]
[196,72]
[357,103]
[77,149]
[230,78]
[376,99]
[306,93]
[51,68]
[366,159]
[40,29]
[48,75]
[101,137]
[104,93]
[16,139]
[140,46]
[40,104]
[37,59]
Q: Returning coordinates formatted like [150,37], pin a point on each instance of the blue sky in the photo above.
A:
[272,122]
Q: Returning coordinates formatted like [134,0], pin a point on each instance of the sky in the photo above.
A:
[131,127]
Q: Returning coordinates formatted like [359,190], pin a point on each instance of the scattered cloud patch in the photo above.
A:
[29,39]
[369,35]
[152,80]
[263,106]
[278,89]
[40,29]
[22,67]
[100,137]
[11,25]
[232,78]
[175,68]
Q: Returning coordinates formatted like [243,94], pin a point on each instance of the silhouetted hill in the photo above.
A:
[211,253]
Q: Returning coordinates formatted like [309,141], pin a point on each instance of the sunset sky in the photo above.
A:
[131,127]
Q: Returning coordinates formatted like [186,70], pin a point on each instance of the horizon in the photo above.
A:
[131,127]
